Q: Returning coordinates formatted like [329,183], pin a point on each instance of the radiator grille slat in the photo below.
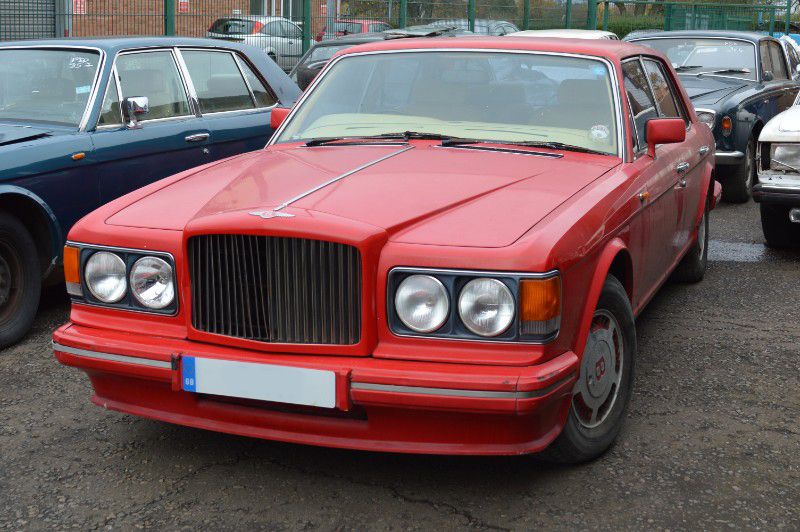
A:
[276,289]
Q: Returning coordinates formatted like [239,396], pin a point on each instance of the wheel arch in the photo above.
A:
[615,259]
[39,219]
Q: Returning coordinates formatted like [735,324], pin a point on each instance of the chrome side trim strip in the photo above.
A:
[112,357]
[729,155]
[449,392]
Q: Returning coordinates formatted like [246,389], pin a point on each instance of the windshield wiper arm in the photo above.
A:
[684,68]
[405,136]
[726,71]
[525,143]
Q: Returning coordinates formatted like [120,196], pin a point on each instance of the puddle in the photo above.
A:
[719,251]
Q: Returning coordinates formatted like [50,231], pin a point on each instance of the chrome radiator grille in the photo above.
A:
[276,289]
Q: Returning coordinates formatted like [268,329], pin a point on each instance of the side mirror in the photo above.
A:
[133,109]
[768,75]
[277,116]
[664,131]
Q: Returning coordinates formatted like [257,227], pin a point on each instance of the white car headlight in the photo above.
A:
[152,283]
[707,117]
[105,277]
[486,307]
[422,303]
[785,157]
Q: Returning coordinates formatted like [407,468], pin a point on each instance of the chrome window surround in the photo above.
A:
[135,251]
[469,273]
[95,84]
[615,82]
[754,45]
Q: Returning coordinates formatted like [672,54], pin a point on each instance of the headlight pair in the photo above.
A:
[123,278]
[455,304]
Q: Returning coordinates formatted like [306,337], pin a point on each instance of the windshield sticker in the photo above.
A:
[600,134]
[83,89]
[78,62]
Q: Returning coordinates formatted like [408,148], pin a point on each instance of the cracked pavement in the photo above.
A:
[711,439]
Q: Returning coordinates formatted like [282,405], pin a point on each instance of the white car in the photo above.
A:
[778,187]
[567,34]
[280,38]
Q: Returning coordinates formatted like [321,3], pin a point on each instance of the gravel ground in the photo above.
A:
[711,440]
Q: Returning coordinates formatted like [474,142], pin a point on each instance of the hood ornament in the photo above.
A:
[266,215]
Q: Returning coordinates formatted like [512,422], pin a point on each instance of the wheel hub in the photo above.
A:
[5,281]
[601,371]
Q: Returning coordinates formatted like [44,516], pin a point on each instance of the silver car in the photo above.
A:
[280,38]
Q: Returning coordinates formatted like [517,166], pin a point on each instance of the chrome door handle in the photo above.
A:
[681,183]
[682,168]
[703,150]
[198,137]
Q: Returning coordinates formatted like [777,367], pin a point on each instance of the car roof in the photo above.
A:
[612,50]
[719,34]
[112,45]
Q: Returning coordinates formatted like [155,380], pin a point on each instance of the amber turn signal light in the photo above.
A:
[540,306]
[727,125]
[72,276]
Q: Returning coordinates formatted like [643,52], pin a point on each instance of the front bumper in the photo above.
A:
[381,405]
[776,193]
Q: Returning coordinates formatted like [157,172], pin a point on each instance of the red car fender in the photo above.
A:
[607,256]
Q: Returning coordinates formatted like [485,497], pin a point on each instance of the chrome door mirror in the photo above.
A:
[133,109]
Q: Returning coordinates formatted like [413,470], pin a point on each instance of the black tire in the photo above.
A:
[20,280]
[692,268]
[580,442]
[738,186]
[779,231]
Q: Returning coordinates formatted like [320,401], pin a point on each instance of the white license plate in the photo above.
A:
[264,382]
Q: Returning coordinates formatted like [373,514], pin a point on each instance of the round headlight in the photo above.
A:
[707,117]
[152,283]
[422,304]
[105,277]
[486,307]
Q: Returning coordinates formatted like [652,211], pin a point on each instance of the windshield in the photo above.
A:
[492,96]
[696,56]
[324,53]
[50,86]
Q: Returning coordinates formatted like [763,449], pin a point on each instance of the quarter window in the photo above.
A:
[664,94]
[111,112]
[263,95]
[643,105]
[155,76]
[217,81]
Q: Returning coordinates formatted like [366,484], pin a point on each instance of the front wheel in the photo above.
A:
[20,280]
[779,230]
[738,187]
[604,383]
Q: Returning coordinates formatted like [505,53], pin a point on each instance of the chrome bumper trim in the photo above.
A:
[138,361]
[449,392]
[729,156]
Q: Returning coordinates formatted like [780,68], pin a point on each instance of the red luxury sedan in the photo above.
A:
[442,249]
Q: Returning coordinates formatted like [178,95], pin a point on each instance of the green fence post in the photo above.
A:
[306,25]
[606,13]
[402,17]
[169,17]
[471,14]
[568,15]
[591,15]
[668,17]
[526,14]
[788,16]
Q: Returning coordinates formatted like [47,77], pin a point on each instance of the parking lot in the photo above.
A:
[711,439]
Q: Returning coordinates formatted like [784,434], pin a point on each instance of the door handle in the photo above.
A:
[682,168]
[198,137]
[681,183]
[703,150]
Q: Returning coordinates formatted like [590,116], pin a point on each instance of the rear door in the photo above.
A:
[234,101]
[171,137]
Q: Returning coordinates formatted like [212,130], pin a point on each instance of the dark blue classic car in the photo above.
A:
[737,82]
[84,122]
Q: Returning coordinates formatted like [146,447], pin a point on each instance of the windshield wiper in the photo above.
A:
[684,68]
[526,143]
[726,71]
[404,136]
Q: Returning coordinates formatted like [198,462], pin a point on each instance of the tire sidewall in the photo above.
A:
[14,234]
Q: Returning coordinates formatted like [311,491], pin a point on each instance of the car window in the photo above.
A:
[712,56]
[666,99]
[264,96]
[794,60]
[234,26]
[766,60]
[111,112]
[379,27]
[216,78]
[290,30]
[274,29]
[778,61]
[155,76]
[643,106]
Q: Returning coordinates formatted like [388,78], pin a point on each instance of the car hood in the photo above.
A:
[424,194]
[709,90]
[14,134]
[784,127]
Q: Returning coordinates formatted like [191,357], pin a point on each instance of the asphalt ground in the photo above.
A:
[711,439]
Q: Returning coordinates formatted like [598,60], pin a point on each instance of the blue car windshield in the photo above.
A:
[46,85]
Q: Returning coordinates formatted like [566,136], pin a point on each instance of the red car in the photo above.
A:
[442,250]
[346,26]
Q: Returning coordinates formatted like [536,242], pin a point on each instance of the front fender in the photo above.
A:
[56,232]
